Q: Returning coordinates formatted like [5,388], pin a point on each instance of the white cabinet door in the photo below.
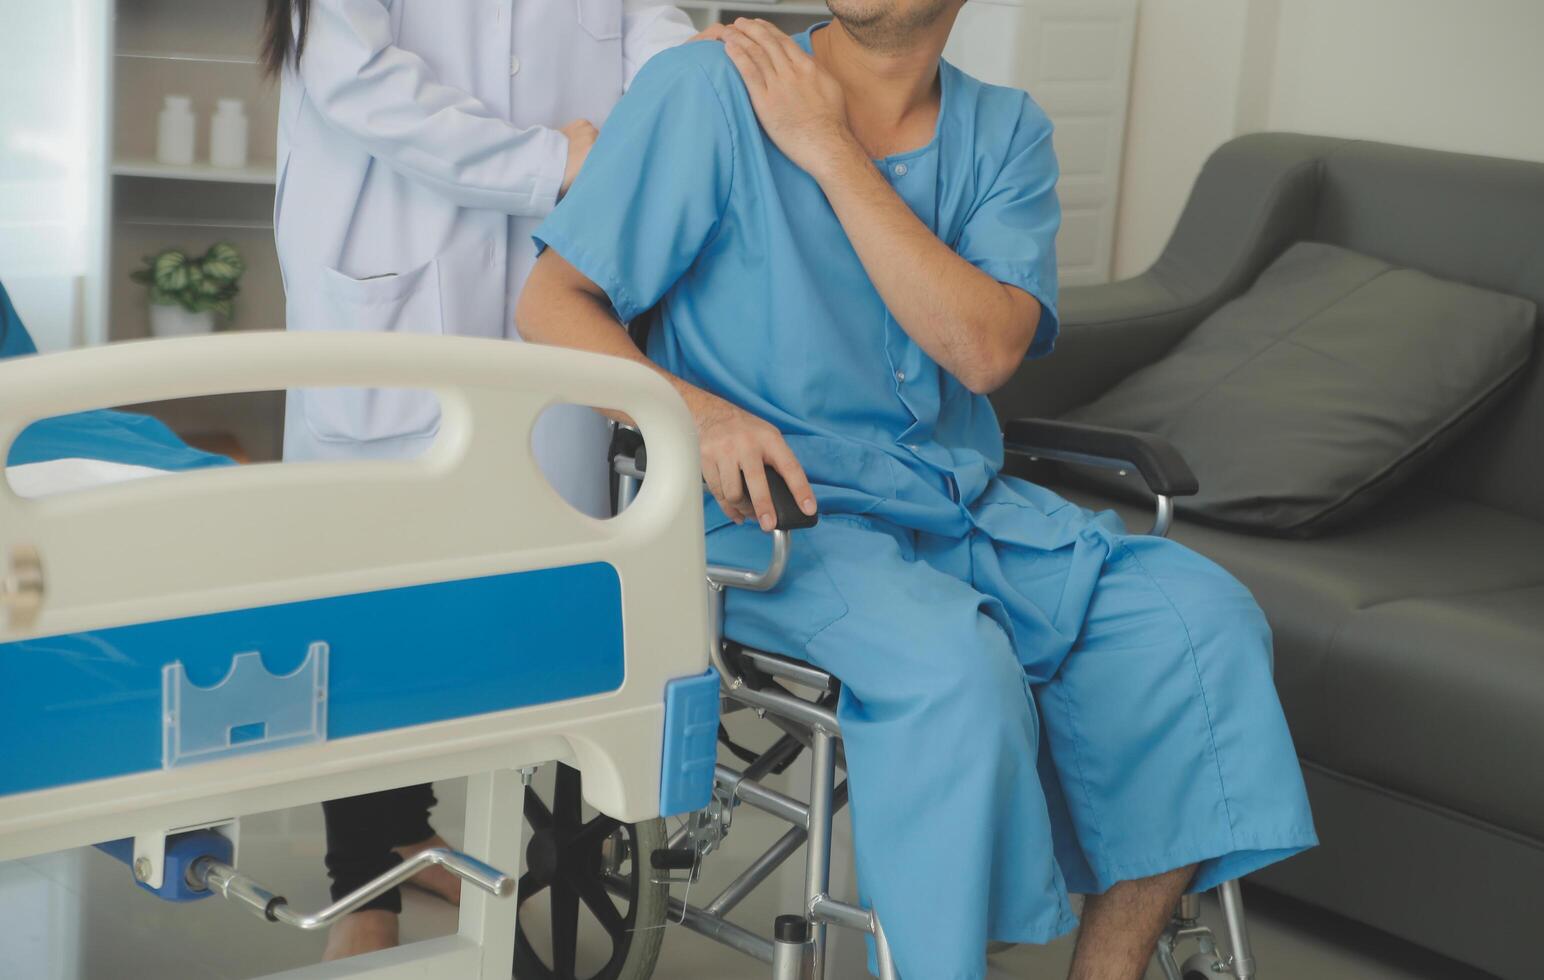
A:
[1074,57]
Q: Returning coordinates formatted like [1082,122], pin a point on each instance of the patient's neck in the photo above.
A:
[892,94]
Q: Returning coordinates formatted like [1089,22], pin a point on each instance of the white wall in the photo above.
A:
[1463,75]
[1184,91]
[47,127]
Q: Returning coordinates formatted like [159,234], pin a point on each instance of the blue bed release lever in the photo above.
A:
[250,710]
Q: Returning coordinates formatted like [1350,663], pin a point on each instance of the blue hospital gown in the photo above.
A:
[1034,702]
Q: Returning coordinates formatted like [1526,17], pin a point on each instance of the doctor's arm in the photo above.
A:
[390,100]
[976,327]
[560,306]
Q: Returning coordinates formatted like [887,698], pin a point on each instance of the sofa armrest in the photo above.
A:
[1255,196]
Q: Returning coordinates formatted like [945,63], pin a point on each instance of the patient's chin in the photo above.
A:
[859,14]
[887,24]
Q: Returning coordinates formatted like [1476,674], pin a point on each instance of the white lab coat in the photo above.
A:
[418,149]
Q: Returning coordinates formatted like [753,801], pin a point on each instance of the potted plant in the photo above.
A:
[186,293]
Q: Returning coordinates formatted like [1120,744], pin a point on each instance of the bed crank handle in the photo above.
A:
[226,881]
[21,587]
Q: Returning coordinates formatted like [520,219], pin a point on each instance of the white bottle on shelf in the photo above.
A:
[228,134]
[177,125]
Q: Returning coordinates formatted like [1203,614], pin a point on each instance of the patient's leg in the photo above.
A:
[1121,927]
[433,879]
[361,932]
[953,840]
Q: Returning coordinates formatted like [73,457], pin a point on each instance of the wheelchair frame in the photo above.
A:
[758,681]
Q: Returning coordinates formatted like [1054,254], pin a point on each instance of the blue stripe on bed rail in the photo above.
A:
[88,706]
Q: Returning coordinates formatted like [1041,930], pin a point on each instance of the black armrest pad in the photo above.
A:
[789,516]
[1160,464]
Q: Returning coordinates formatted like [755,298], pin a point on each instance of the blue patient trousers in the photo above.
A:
[1044,705]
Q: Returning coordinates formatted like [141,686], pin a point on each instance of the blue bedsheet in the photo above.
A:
[117,437]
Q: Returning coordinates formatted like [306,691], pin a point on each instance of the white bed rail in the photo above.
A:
[474,504]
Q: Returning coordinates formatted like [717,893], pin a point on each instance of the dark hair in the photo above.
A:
[284,33]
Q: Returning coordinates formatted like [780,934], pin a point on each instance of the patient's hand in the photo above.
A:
[799,103]
[737,447]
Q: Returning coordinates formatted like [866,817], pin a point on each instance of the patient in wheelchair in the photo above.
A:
[842,244]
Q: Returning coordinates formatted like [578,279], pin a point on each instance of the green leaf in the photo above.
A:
[223,262]
[171,270]
[142,276]
[224,308]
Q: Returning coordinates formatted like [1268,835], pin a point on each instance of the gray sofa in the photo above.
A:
[1410,645]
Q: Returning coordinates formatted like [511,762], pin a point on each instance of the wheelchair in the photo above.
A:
[599,862]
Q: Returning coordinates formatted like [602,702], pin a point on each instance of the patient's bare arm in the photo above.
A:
[560,306]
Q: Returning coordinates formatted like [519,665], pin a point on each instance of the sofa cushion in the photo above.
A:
[1409,649]
[1322,388]
[1439,698]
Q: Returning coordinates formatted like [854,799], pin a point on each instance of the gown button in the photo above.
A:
[900,170]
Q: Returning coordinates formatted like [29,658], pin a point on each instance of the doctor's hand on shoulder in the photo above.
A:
[581,135]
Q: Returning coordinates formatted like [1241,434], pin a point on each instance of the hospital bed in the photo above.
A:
[177,651]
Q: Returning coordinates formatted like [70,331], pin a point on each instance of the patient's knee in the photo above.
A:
[983,678]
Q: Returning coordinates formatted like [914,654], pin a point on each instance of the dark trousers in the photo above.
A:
[361,832]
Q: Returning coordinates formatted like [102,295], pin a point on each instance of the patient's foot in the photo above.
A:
[434,878]
[361,932]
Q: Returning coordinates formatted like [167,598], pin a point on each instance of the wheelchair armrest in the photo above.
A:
[789,516]
[1155,458]
[627,442]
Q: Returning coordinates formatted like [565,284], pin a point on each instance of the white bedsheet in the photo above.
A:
[64,475]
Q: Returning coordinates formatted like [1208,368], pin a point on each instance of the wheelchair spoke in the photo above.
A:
[599,902]
[596,831]
[566,799]
[536,812]
[565,929]
[531,884]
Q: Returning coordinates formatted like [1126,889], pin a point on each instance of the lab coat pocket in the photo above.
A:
[408,303]
[601,19]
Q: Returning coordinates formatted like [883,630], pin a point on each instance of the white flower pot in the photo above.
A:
[174,321]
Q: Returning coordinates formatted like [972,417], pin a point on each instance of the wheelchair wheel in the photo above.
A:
[588,909]
[1202,966]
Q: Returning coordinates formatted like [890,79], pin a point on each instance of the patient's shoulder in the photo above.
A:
[998,113]
[693,64]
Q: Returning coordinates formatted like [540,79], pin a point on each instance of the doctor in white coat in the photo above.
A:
[420,143]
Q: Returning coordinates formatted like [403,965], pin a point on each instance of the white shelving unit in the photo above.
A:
[205,49]
[196,171]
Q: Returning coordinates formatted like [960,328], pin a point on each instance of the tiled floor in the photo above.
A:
[77,916]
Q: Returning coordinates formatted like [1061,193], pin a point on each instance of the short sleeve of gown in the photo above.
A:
[653,189]
[1011,233]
